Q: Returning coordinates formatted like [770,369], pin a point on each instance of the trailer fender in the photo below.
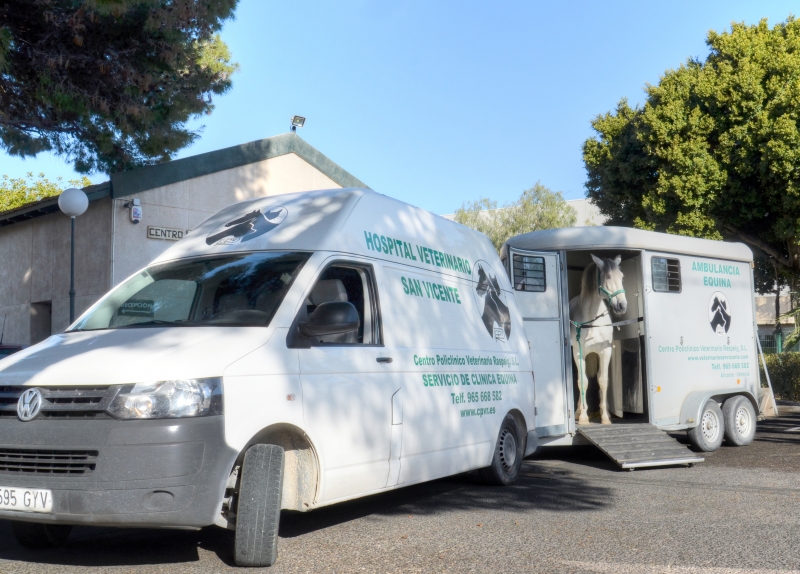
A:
[695,401]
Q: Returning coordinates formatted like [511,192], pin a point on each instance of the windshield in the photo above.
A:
[231,290]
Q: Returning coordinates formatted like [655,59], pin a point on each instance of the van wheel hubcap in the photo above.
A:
[710,426]
[742,421]
[508,449]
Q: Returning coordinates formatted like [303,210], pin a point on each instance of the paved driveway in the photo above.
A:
[572,511]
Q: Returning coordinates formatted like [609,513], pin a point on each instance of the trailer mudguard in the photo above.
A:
[695,401]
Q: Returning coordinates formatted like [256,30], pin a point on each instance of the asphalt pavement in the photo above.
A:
[571,511]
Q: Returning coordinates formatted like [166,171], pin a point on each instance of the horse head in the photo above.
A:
[609,283]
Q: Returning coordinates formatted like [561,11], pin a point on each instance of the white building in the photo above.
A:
[174,197]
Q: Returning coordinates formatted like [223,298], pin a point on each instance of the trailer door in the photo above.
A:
[540,291]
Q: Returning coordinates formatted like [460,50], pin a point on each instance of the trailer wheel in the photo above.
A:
[508,454]
[258,510]
[707,435]
[740,420]
[37,536]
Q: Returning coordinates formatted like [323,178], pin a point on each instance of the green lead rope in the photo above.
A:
[578,327]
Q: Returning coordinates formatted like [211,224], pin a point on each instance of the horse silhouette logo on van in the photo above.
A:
[491,302]
[719,313]
[249,226]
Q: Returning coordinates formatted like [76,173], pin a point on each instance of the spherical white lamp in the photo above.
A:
[73,202]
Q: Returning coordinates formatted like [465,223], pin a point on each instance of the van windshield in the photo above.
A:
[230,290]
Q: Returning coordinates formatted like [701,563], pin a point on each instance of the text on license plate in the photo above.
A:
[26,499]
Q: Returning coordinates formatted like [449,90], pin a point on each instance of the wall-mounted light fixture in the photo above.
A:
[297,122]
[135,210]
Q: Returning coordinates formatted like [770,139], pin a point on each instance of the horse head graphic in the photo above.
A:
[721,317]
[494,309]
[247,227]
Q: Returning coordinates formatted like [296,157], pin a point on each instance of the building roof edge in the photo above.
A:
[50,205]
[145,178]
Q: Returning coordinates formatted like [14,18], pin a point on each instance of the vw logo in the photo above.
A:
[29,404]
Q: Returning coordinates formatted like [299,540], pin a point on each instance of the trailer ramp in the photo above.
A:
[638,445]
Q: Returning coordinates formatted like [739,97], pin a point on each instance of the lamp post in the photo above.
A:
[72,202]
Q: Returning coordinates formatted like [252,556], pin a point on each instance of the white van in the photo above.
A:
[291,352]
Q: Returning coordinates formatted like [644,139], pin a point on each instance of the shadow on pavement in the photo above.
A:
[90,546]
[537,489]
[534,490]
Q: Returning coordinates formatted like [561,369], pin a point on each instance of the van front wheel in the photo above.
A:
[508,454]
[258,510]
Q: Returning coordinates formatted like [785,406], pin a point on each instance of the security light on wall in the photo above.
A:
[135,207]
[297,122]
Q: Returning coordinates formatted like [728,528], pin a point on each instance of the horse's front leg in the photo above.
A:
[580,412]
[602,382]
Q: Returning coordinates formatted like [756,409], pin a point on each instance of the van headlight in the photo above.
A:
[168,399]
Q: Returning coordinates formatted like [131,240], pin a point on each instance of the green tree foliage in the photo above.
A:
[715,150]
[16,192]
[109,84]
[784,373]
[537,208]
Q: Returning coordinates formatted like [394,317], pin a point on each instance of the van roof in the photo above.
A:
[608,237]
[349,220]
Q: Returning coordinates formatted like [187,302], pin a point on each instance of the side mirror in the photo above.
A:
[332,318]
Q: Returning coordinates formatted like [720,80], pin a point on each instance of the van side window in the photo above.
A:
[353,284]
[666,274]
[529,273]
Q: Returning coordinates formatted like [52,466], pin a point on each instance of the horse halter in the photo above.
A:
[603,291]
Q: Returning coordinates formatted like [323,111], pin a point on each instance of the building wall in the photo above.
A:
[587,213]
[185,204]
[35,270]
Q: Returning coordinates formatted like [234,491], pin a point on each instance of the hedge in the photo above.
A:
[784,372]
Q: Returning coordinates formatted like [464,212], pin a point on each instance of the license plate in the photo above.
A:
[26,499]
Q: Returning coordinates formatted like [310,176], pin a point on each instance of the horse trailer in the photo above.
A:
[683,351]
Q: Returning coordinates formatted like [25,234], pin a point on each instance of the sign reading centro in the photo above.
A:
[165,233]
[404,249]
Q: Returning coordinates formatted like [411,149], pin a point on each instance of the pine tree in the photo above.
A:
[109,84]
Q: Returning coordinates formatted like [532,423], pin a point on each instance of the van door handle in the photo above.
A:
[384,359]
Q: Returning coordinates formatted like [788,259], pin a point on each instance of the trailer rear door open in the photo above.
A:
[539,289]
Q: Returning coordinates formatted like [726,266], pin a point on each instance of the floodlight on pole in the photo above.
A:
[72,202]
[297,122]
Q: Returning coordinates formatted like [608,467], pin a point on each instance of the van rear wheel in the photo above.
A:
[740,421]
[37,536]
[707,435]
[508,454]
[258,510]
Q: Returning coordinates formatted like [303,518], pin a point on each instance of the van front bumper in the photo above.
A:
[160,473]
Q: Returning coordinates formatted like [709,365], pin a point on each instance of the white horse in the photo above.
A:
[601,294]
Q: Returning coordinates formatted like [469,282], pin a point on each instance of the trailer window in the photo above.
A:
[666,274]
[529,274]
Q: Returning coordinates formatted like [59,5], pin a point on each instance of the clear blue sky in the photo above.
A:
[436,103]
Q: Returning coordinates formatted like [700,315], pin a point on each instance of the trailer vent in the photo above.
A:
[666,274]
[529,273]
